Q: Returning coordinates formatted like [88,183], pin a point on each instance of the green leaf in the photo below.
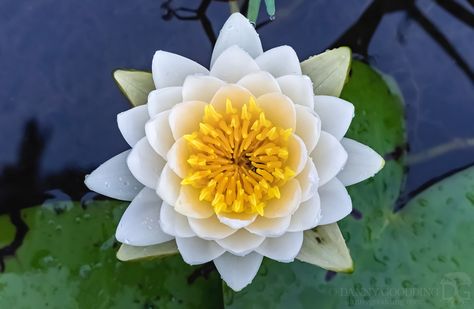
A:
[130,253]
[328,71]
[135,85]
[325,247]
[379,123]
[67,260]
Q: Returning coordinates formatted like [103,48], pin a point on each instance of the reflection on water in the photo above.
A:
[58,102]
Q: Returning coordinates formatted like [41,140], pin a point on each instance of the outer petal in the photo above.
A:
[238,271]
[163,99]
[131,124]
[298,88]
[259,83]
[363,162]
[238,95]
[279,61]
[201,87]
[158,133]
[174,223]
[336,114]
[309,180]
[140,224]
[270,227]
[282,249]
[335,202]
[145,164]
[113,179]
[297,154]
[329,157]
[308,126]
[169,185]
[307,215]
[233,64]
[185,117]
[195,250]
[189,205]
[241,242]
[288,202]
[237,30]
[210,228]
[171,69]
[178,156]
[278,109]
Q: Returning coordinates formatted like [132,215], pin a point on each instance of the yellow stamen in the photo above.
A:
[238,159]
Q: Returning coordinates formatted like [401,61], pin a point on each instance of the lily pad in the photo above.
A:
[135,85]
[422,259]
[379,123]
[67,260]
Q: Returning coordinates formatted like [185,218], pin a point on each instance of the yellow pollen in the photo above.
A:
[238,159]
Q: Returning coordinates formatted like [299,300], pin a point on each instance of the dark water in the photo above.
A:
[58,102]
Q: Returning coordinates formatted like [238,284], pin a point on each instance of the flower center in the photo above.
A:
[237,159]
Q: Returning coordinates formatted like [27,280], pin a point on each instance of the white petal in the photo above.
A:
[195,250]
[236,221]
[282,249]
[237,30]
[185,117]
[238,95]
[241,242]
[297,154]
[210,228]
[189,205]
[171,69]
[270,227]
[113,179]
[158,133]
[290,198]
[362,162]
[201,87]
[169,185]
[259,83]
[329,157]
[279,61]
[308,126]
[309,180]
[307,215]
[140,224]
[131,124]
[163,99]
[238,271]
[336,114]
[335,202]
[145,164]
[298,88]
[174,223]
[233,64]
[278,109]
[177,158]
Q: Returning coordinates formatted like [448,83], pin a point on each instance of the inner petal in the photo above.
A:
[238,159]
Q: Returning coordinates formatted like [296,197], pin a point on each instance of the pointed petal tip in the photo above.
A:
[238,271]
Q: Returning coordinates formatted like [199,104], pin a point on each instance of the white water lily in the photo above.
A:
[236,162]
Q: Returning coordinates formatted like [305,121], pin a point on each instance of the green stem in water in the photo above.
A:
[234,6]
[252,12]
